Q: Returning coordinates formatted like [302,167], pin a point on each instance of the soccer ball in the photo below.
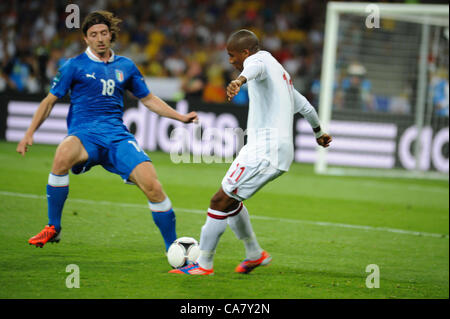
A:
[182,252]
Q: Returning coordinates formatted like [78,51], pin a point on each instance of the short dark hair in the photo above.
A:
[102,17]
[242,40]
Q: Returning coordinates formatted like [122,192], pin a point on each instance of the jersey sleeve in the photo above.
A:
[63,80]
[136,83]
[302,106]
[254,68]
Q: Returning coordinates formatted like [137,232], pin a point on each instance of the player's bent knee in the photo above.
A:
[222,202]
[216,200]
[61,164]
[154,191]
[68,153]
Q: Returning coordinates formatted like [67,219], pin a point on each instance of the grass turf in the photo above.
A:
[311,225]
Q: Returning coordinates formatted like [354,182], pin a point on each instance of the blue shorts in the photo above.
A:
[118,152]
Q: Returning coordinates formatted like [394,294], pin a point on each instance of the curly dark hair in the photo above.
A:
[102,17]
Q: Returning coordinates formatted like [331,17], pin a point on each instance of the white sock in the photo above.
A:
[209,238]
[242,228]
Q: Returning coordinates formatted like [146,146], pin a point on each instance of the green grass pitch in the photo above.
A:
[322,232]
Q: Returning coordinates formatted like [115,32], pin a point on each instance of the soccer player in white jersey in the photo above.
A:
[268,153]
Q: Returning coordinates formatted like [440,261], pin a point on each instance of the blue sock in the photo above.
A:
[164,218]
[166,223]
[57,191]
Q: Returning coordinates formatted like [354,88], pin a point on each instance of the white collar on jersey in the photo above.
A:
[93,57]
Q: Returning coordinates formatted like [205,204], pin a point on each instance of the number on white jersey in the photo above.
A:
[289,83]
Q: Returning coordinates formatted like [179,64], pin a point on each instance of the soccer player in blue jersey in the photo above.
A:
[97,80]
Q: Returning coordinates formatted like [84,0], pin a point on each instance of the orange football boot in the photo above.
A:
[193,269]
[248,265]
[48,234]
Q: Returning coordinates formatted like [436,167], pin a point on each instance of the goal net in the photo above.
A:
[384,92]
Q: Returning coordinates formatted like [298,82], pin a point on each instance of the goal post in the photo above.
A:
[381,59]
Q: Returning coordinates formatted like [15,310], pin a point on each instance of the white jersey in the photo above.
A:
[271,110]
[273,102]
[270,149]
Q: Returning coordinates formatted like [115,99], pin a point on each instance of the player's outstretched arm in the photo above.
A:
[155,104]
[302,106]
[43,111]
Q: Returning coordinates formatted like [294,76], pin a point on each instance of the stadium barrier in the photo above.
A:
[386,142]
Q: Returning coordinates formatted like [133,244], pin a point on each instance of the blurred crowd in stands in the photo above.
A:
[185,39]
[171,38]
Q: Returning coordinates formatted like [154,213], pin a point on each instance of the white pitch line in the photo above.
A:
[203,212]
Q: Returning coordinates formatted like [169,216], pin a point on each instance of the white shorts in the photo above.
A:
[244,178]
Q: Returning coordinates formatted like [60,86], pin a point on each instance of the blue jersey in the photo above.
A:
[96,90]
